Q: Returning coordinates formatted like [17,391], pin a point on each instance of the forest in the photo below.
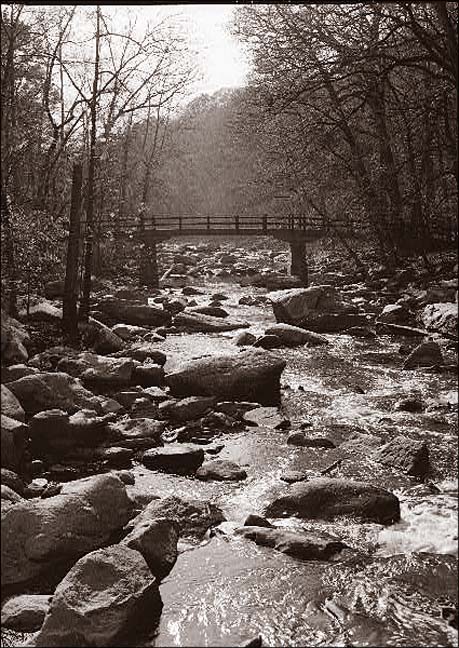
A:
[229,325]
[349,113]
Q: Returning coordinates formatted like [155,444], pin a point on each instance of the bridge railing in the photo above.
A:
[211,223]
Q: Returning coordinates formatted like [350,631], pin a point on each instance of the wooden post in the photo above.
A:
[69,303]
[149,271]
[299,263]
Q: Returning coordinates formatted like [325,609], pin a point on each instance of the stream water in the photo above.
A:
[390,589]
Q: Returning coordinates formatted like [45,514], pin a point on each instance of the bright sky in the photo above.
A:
[221,58]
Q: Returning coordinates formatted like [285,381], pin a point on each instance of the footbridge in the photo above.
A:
[152,229]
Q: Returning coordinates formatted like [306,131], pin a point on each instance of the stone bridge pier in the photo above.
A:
[149,272]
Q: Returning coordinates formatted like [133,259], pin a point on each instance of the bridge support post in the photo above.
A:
[149,271]
[299,262]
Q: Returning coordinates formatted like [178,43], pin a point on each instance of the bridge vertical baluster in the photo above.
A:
[180,222]
[264,223]
[208,222]
[236,220]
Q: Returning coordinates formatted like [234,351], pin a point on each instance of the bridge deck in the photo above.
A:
[162,227]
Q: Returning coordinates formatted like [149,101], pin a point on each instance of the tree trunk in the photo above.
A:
[89,239]
[69,315]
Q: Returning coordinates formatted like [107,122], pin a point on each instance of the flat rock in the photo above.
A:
[186,409]
[221,470]
[104,595]
[409,455]
[205,323]
[26,612]
[129,331]
[326,497]
[214,311]
[128,312]
[267,417]
[49,390]
[295,335]
[298,438]
[177,459]
[248,375]
[98,370]
[304,545]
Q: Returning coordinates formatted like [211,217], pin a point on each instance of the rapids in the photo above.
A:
[390,589]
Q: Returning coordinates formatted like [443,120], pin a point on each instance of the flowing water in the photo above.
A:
[389,588]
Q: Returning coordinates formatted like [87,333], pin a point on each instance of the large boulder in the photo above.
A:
[326,497]
[49,390]
[192,321]
[156,539]
[295,335]
[248,375]
[137,433]
[10,405]
[106,593]
[193,516]
[14,438]
[43,310]
[128,312]
[98,370]
[305,545]
[101,337]
[38,533]
[426,354]
[441,317]
[409,455]
[317,308]
[14,339]
[176,458]
[26,612]
[55,432]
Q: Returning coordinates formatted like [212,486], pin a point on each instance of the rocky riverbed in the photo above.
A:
[234,457]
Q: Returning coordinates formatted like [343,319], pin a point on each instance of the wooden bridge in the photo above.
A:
[161,227]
